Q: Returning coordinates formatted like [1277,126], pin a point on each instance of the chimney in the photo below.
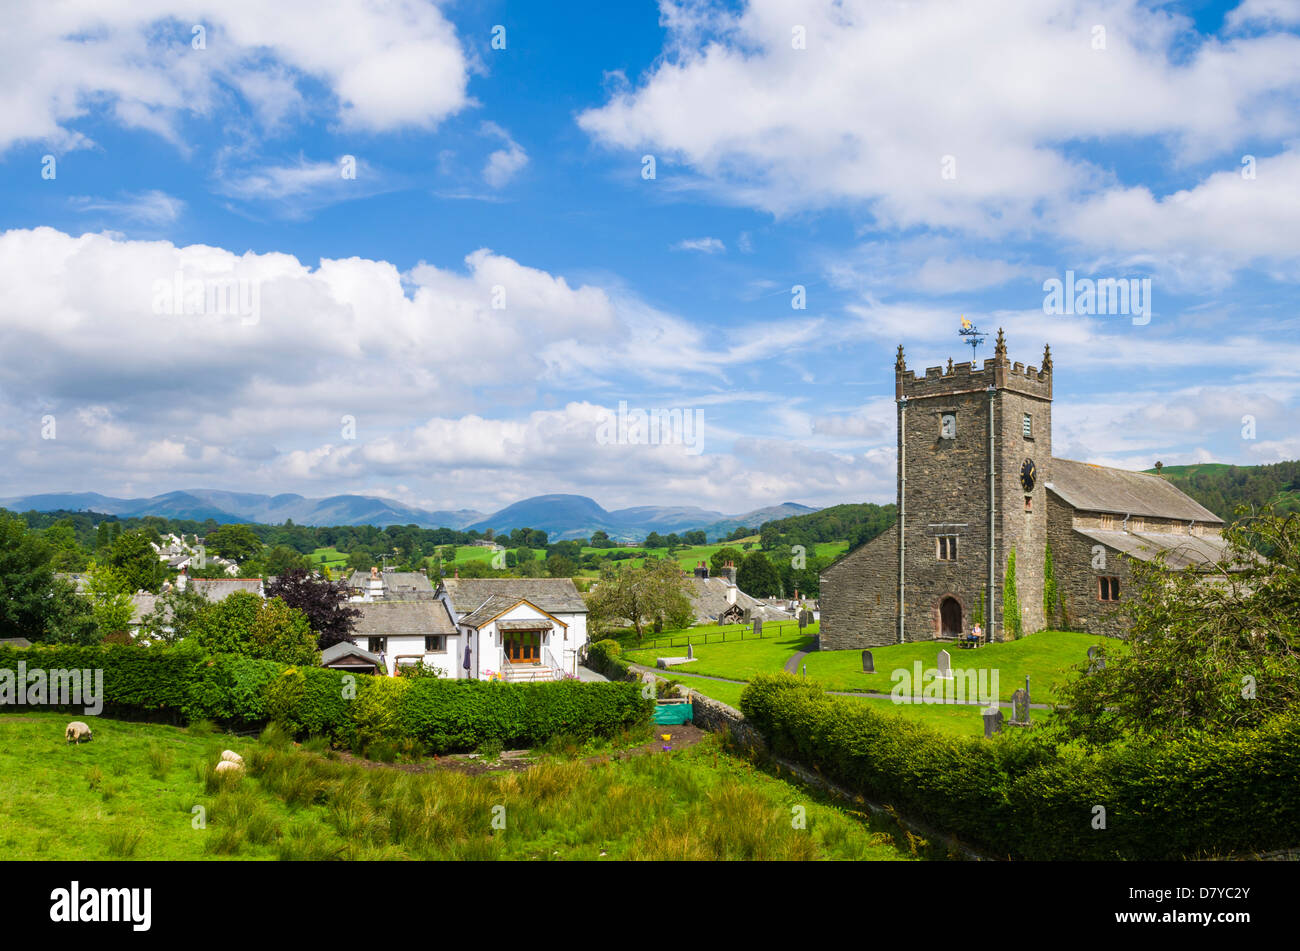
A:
[729,573]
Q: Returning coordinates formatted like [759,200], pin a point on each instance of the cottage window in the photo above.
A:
[435,644]
[1108,589]
[946,547]
[377,645]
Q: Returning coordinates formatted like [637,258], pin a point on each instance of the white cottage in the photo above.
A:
[408,632]
[516,628]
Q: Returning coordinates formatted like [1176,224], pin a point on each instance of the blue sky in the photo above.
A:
[903,164]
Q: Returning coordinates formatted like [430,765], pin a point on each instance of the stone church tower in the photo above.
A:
[974,455]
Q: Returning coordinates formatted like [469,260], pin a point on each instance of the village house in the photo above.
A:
[516,628]
[717,599]
[404,633]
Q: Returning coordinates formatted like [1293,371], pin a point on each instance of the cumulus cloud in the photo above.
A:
[135,62]
[504,163]
[945,114]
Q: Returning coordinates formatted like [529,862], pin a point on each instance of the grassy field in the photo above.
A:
[1045,657]
[688,558]
[132,793]
[736,660]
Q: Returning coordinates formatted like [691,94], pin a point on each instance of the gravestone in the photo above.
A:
[758,627]
[868,663]
[992,721]
[803,620]
[945,665]
[1020,707]
[690,651]
[1095,663]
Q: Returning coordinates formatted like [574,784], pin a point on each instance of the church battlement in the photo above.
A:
[996,371]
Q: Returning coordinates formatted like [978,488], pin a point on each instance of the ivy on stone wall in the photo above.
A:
[1049,590]
[1011,600]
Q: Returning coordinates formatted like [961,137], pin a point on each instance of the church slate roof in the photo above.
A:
[552,595]
[1180,551]
[1092,488]
[398,618]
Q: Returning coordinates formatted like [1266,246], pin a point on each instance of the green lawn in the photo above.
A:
[1045,657]
[947,718]
[735,659]
[131,793]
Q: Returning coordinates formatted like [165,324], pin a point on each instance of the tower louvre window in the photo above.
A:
[946,547]
[1027,425]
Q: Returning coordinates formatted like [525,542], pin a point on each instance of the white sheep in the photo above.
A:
[230,756]
[77,731]
[227,766]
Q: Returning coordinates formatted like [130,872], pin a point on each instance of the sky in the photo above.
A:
[455,253]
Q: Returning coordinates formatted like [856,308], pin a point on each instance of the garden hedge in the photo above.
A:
[441,715]
[1020,795]
[605,658]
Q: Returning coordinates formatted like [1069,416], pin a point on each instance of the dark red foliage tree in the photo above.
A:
[324,602]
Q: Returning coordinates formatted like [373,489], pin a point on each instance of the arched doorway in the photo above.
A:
[949,616]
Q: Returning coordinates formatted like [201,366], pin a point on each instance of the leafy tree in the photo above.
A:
[242,623]
[757,577]
[696,537]
[236,542]
[641,596]
[102,537]
[68,555]
[1210,651]
[32,599]
[174,615]
[135,563]
[283,634]
[110,597]
[561,566]
[600,539]
[324,602]
[722,556]
[281,560]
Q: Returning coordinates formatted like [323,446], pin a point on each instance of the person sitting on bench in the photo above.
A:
[976,636]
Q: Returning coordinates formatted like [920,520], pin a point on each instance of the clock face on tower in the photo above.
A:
[1028,474]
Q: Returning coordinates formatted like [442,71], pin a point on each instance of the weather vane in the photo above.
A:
[974,336]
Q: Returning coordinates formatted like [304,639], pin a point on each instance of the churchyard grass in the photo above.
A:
[735,659]
[1046,657]
[131,792]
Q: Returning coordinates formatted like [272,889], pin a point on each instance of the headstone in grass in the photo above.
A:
[803,620]
[868,663]
[945,665]
[1020,707]
[992,721]
[1095,663]
[758,627]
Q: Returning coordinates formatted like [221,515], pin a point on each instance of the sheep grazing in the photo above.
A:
[229,766]
[230,756]
[77,731]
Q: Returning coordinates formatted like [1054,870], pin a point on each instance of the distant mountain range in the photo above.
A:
[560,516]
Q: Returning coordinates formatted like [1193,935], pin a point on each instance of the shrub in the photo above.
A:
[1020,795]
[605,658]
[408,713]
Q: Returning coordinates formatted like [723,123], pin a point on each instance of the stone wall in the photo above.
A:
[1076,576]
[859,596]
[715,716]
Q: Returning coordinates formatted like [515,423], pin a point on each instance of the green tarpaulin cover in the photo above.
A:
[673,714]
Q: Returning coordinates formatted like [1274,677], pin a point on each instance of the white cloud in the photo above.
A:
[401,65]
[703,245]
[152,207]
[505,163]
[867,115]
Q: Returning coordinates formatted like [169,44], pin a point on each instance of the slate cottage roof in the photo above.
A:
[1092,488]
[398,618]
[218,589]
[552,595]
